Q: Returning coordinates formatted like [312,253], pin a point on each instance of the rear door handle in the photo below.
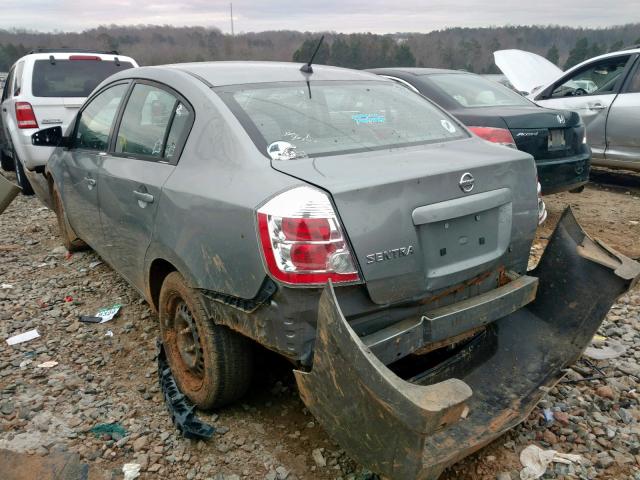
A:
[143,197]
[596,106]
[90,181]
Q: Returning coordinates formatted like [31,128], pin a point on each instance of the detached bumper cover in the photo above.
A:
[406,430]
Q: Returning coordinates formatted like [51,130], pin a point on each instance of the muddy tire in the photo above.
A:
[70,239]
[212,364]
[23,181]
[6,162]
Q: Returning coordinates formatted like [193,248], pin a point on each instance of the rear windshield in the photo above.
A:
[326,118]
[475,91]
[71,78]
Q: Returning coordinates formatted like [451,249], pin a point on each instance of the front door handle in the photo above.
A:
[597,106]
[90,181]
[143,197]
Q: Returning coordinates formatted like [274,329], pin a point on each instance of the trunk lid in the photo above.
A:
[525,70]
[542,132]
[412,228]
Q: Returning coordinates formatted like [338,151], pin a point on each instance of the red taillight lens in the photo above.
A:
[306,228]
[302,240]
[84,57]
[25,116]
[495,135]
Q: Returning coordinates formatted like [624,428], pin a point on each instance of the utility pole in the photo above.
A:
[231,8]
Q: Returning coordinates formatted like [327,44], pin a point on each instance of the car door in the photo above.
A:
[623,124]
[79,185]
[590,90]
[150,133]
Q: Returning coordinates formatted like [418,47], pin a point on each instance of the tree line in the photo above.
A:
[458,48]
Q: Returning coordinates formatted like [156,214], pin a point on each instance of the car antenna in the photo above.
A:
[306,68]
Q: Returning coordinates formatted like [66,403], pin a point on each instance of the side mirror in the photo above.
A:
[49,137]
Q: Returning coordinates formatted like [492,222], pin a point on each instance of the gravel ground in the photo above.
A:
[107,374]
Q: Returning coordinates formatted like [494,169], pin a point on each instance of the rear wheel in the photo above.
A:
[6,162]
[212,364]
[23,181]
[70,239]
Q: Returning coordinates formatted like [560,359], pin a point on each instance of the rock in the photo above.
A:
[603,460]
[503,476]
[562,418]
[7,407]
[282,473]
[140,444]
[549,437]
[318,458]
[605,391]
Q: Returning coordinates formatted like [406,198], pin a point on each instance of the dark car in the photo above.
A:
[346,223]
[555,138]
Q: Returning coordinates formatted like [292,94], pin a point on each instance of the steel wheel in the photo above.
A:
[211,364]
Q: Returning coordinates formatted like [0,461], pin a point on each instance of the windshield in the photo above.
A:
[71,78]
[337,117]
[475,91]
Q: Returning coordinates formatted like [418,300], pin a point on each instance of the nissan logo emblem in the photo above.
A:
[466,182]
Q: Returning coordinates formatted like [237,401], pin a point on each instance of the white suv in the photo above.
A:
[46,88]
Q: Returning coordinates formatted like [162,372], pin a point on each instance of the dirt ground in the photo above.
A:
[47,414]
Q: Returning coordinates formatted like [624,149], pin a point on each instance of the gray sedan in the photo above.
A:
[345,222]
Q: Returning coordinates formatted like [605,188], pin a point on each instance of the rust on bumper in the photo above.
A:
[414,429]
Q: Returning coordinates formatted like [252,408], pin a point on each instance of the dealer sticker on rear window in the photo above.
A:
[367,118]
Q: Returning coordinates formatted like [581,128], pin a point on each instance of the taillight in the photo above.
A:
[542,208]
[495,135]
[25,116]
[302,240]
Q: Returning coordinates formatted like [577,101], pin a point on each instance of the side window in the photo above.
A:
[598,78]
[180,125]
[96,119]
[145,121]
[634,81]
[6,91]
[17,88]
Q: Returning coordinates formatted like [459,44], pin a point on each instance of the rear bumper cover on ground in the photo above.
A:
[414,430]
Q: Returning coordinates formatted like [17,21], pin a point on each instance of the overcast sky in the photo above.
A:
[379,16]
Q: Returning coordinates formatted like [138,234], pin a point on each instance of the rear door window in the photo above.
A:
[71,78]
[96,120]
[6,91]
[17,87]
[153,125]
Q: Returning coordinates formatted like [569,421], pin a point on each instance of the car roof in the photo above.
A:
[248,72]
[416,71]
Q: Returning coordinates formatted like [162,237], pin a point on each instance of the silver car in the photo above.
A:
[604,90]
[346,223]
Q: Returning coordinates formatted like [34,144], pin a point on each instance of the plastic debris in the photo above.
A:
[536,460]
[95,264]
[109,333]
[181,410]
[6,286]
[548,415]
[604,352]
[49,364]
[24,363]
[68,299]
[131,470]
[116,430]
[103,315]
[23,337]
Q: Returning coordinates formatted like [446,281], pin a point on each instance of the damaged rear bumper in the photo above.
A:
[415,429]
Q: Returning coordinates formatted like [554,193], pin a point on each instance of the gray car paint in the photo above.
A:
[205,219]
